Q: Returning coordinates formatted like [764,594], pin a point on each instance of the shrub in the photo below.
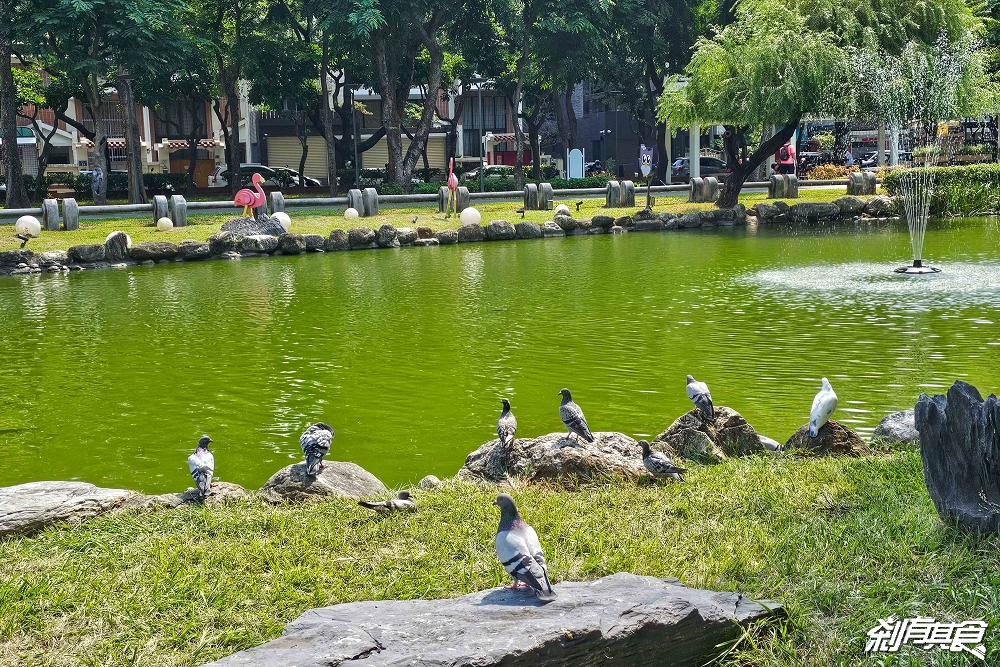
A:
[962,190]
[828,172]
[973,149]
[825,140]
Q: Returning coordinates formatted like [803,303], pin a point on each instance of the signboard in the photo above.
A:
[575,163]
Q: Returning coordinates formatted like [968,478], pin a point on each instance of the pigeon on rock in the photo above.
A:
[701,397]
[315,443]
[659,464]
[520,552]
[401,503]
[506,425]
[572,417]
[823,406]
[202,466]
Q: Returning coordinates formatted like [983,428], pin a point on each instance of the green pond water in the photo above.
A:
[110,376]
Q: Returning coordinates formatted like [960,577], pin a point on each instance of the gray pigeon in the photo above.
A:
[520,552]
[401,503]
[506,425]
[202,466]
[572,417]
[315,445]
[701,397]
[659,464]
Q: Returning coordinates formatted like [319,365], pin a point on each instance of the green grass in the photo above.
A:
[841,542]
[308,221]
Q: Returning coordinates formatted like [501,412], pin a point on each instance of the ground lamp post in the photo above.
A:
[604,133]
[479,81]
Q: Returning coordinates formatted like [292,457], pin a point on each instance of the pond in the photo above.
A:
[110,376]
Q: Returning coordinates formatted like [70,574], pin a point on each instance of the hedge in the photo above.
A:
[961,190]
[82,185]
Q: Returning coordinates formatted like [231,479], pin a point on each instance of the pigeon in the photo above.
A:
[572,417]
[659,464]
[701,397]
[506,425]
[520,552]
[315,445]
[401,503]
[823,406]
[202,466]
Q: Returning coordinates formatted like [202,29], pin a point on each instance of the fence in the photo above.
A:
[177,207]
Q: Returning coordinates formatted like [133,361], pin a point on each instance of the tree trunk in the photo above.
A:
[391,113]
[93,89]
[534,142]
[17,193]
[300,131]
[192,163]
[230,121]
[662,162]
[571,132]
[428,36]
[328,117]
[735,144]
[133,146]
[518,132]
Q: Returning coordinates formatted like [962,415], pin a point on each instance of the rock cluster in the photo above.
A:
[842,208]
[833,439]
[696,438]
[338,478]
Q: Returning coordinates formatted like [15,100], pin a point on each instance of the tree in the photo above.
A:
[16,33]
[92,43]
[778,62]
[33,96]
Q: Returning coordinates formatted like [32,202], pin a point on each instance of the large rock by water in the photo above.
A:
[360,238]
[960,448]
[27,508]
[117,246]
[897,428]
[528,230]
[471,233]
[223,242]
[222,492]
[263,226]
[259,243]
[833,439]
[623,619]
[91,252]
[555,456]
[338,240]
[291,244]
[849,205]
[339,478]
[191,250]
[500,230]
[385,237]
[154,250]
[693,437]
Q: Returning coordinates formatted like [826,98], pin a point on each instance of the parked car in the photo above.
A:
[710,166]
[271,175]
[301,181]
[490,171]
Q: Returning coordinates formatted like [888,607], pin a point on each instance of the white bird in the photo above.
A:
[823,406]
[315,443]
[401,503]
[202,466]
[701,397]
[520,552]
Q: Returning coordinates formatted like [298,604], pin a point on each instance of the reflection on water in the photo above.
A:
[111,376]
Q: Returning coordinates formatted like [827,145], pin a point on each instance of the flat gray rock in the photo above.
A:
[555,456]
[898,428]
[622,619]
[339,478]
[222,492]
[27,508]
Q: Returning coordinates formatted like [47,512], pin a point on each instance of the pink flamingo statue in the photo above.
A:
[452,188]
[249,199]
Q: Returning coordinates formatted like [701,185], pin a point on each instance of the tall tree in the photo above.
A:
[17,33]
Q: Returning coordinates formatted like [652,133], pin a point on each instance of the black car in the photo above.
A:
[710,166]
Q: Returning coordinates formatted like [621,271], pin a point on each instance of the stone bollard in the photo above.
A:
[369,199]
[544,196]
[855,184]
[697,186]
[178,210]
[71,214]
[628,194]
[160,209]
[443,199]
[277,202]
[462,198]
[791,186]
[870,182]
[776,187]
[50,214]
[613,195]
[530,197]
[355,200]
[710,191]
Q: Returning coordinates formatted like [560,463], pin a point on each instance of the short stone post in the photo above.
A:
[791,186]
[462,198]
[628,194]
[369,199]
[355,200]
[50,214]
[613,195]
[71,214]
[443,199]
[530,197]
[179,210]
[855,184]
[871,182]
[277,202]
[544,196]
[710,189]
[776,187]
[697,186]
[160,209]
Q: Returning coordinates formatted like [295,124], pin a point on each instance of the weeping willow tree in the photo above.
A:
[779,62]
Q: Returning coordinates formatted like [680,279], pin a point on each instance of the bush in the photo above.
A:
[973,149]
[962,190]
[825,140]
[828,172]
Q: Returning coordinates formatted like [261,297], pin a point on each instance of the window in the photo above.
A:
[177,121]
[59,155]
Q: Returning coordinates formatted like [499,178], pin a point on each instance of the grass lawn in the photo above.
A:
[841,542]
[309,221]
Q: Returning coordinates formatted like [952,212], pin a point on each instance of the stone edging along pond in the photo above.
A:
[117,251]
